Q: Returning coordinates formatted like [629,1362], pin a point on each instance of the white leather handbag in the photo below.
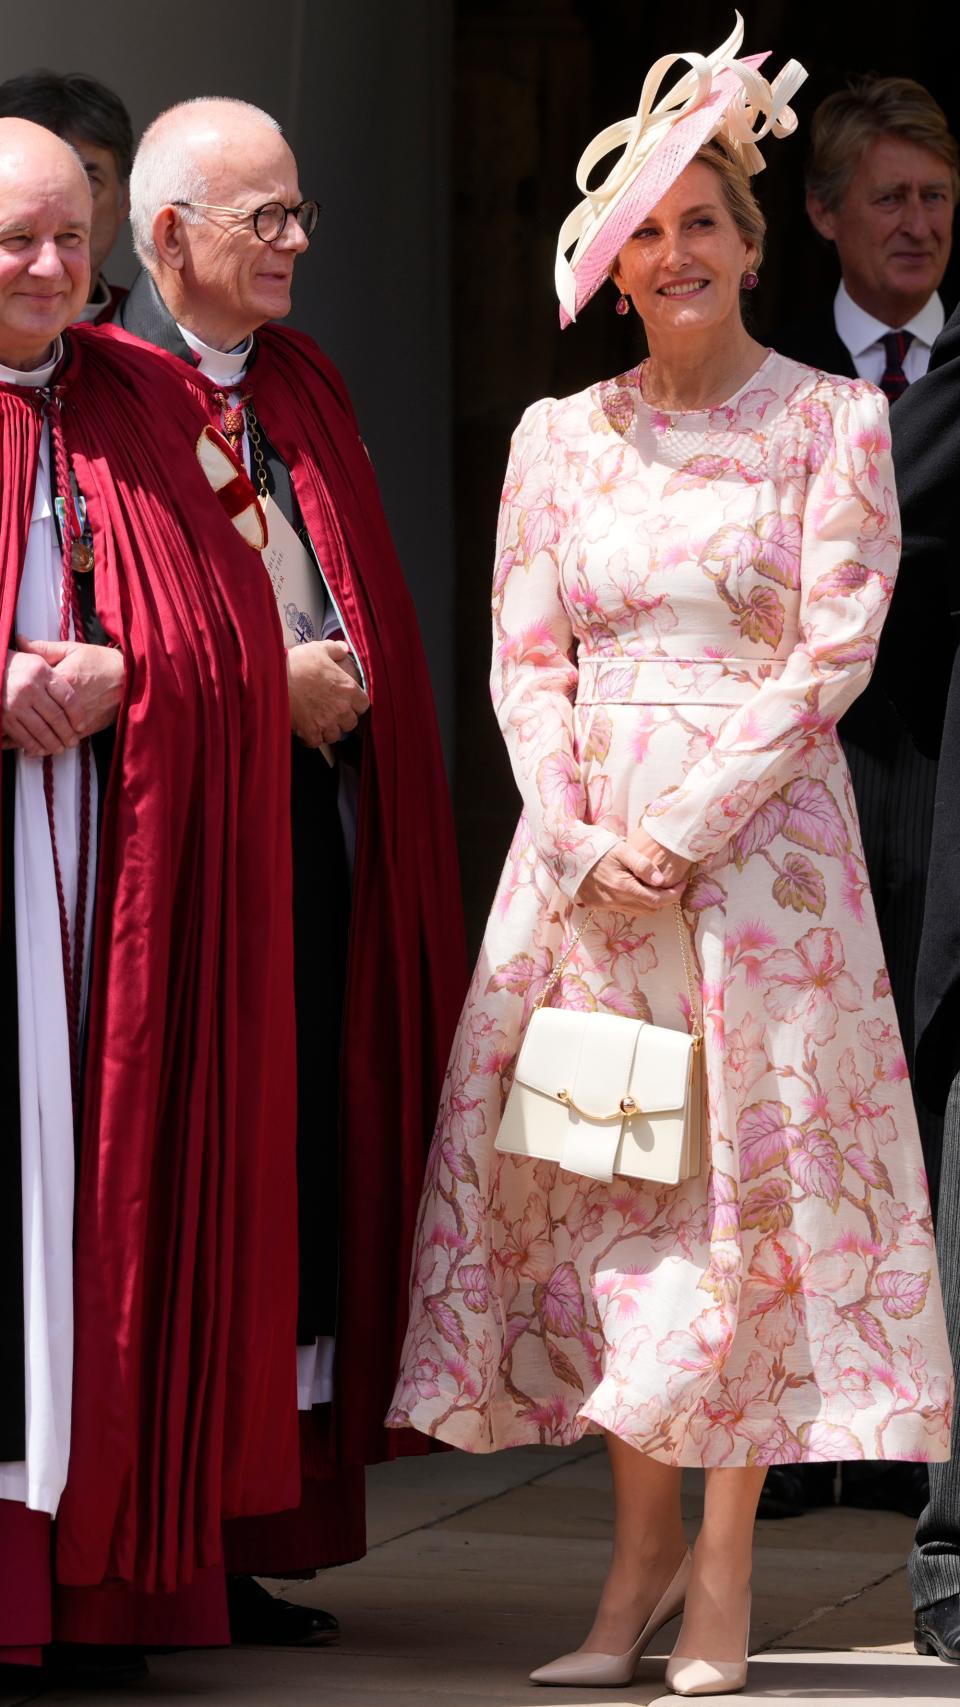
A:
[603,1095]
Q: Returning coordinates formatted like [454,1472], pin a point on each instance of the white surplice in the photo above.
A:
[46,1112]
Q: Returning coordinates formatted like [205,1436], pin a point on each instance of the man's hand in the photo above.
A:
[42,711]
[619,880]
[326,700]
[661,866]
[93,674]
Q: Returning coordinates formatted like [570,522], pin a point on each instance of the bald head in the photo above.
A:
[30,150]
[45,213]
[188,149]
[201,173]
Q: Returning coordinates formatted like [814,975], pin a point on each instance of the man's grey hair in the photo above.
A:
[167,165]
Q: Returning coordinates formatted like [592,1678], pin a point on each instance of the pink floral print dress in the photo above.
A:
[683,606]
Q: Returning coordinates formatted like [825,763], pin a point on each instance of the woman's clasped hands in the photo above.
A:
[638,875]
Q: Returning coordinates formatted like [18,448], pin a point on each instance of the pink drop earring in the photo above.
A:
[623,304]
[749,281]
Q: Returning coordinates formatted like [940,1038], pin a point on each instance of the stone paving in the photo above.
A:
[480,1569]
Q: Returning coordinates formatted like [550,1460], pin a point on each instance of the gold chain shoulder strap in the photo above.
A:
[683,935]
[559,965]
[256,450]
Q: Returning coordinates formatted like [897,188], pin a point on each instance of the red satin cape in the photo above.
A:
[407,971]
[185,1291]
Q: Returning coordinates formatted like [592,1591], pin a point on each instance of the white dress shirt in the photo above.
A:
[46,1110]
[862,335]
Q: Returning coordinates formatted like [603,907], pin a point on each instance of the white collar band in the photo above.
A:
[36,376]
[225,367]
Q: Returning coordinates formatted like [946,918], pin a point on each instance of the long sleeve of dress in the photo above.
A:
[534,679]
[847,565]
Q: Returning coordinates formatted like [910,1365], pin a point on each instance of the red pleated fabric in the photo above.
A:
[117,1615]
[25,1609]
[407,967]
[328,1528]
[185,1294]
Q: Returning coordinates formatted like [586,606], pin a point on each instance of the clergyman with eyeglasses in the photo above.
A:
[220,221]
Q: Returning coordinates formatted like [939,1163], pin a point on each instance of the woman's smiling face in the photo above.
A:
[683,265]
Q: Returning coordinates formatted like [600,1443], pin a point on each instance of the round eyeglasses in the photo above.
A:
[270,220]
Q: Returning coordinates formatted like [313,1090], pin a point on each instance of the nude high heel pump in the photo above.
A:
[611,1671]
[687,1676]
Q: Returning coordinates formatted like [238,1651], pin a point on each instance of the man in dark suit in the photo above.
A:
[919,666]
[882,183]
[881,186]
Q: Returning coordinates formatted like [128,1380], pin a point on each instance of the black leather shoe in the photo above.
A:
[790,1490]
[900,1487]
[259,1618]
[936,1630]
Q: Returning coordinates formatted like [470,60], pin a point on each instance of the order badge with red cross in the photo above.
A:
[233,486]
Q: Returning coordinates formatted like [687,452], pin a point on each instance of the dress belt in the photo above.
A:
[672,681]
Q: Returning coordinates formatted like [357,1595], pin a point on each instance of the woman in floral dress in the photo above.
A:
[692,569]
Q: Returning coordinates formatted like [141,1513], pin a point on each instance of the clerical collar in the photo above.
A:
[100,300]
[859,331]
[225,367]
[36,376]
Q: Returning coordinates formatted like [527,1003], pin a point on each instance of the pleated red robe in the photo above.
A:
[185,1292]
[407,971]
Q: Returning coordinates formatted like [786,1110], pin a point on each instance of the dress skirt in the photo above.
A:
[773,1310]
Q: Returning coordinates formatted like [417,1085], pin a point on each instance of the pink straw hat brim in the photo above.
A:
[661,169]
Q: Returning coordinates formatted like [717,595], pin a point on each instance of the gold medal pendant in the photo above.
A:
[82,556]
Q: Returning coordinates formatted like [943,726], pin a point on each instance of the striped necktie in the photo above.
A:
[894,382]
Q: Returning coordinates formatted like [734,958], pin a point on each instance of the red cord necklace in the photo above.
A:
[72,943]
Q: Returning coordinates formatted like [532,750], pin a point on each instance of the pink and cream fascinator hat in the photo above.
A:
[719,96]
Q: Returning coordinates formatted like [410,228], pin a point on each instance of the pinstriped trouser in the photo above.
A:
[895,796]
[895,800]
[935,1560]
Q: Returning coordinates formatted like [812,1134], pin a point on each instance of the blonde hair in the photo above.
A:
[742,204]
[846,123]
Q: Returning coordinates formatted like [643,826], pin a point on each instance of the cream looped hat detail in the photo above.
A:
[719,96]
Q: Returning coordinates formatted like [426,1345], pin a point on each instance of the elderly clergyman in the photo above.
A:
[147,1312]
[220,221]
